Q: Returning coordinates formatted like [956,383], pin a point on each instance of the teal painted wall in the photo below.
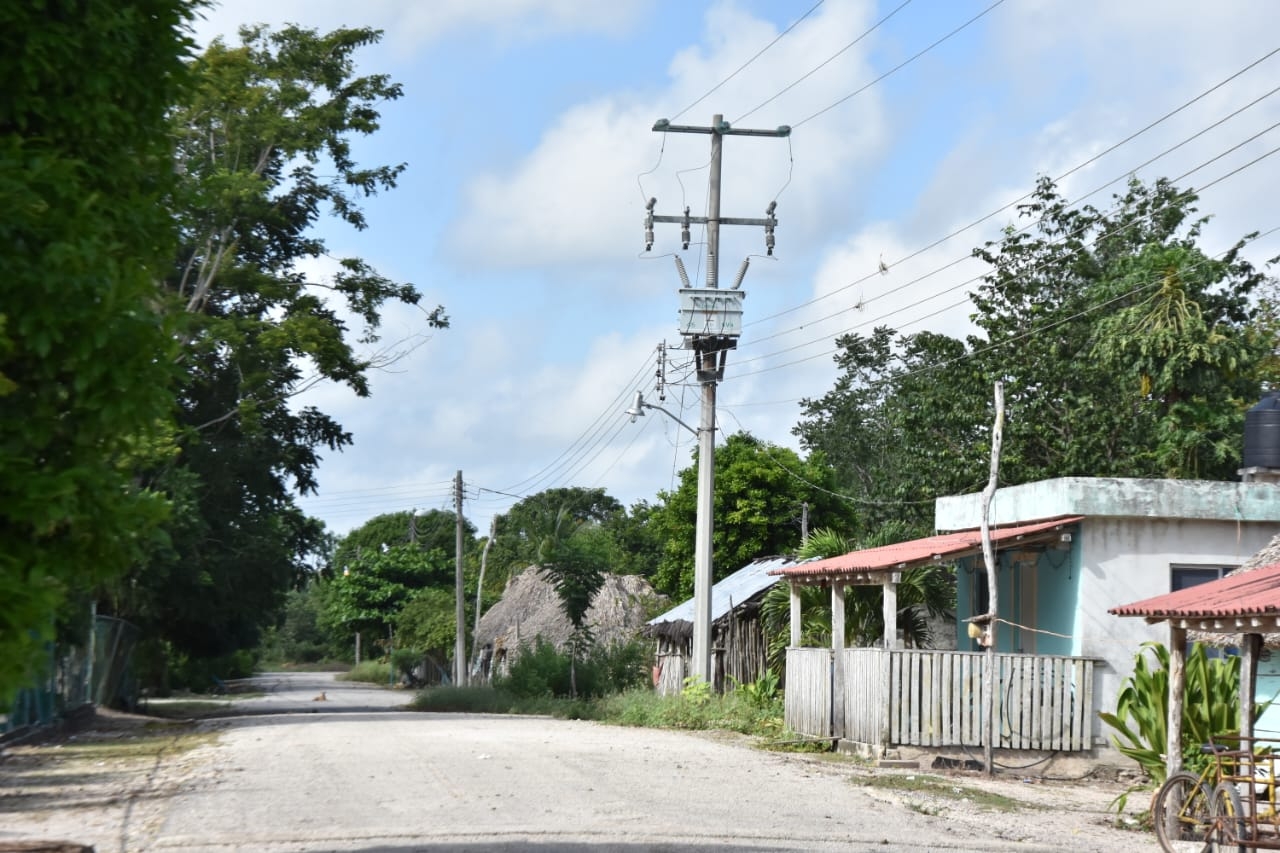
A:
[1044,596]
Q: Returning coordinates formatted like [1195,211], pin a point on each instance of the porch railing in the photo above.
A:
[934,698]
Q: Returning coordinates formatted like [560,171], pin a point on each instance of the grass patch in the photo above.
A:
[369,671]
[936,786]
[641,708]
[491,700]
[147,743]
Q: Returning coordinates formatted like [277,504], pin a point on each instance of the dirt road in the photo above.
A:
[350,773]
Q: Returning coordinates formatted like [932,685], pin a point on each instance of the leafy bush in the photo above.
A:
[544,671]
[762,693]
[370,671]
[1210,707]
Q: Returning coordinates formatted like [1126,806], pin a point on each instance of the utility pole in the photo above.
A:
[460,643]
[710,320]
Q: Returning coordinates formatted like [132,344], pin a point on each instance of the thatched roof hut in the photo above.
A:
[530,609]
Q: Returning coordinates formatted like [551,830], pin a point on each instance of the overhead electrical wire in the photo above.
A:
[967,257]
[1040,329]
[963,301]
[744,65]
[1090,161]
[597,430]
[897,67]
[823,64]
[612,407]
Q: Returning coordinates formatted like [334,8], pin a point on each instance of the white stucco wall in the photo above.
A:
[1124,560]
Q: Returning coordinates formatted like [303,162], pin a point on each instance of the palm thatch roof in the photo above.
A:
[530,608]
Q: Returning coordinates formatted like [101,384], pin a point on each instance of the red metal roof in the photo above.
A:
[919,552]
[1252,593]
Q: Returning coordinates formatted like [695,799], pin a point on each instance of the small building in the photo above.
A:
[1066,549]
[738,644]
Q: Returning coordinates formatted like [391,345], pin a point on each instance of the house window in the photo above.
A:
[1185,577]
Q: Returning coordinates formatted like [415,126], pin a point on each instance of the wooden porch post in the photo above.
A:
[1250,647]
[795,615]
[837,649]
[1177,679]
[891,611]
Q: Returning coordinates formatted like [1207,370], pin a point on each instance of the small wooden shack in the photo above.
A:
[738,646]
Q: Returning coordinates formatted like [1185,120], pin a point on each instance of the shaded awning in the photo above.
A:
[870,564]
[1244,602]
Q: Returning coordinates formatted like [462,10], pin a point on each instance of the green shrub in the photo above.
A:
[544,671]
[1210,707]
[371,671]
[762,693]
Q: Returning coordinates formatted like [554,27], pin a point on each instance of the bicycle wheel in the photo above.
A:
[1180,813]
[1230,824]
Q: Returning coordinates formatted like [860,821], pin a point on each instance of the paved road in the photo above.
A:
[350,773]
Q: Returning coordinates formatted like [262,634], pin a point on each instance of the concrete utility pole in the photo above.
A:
[710,321]
[460,643]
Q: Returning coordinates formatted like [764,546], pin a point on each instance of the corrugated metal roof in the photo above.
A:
[732,591]
[918,552]
[1251,593]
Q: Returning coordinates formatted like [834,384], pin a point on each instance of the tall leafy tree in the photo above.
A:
[523,529]
[434,529]
[264,151]
[85,359]
[369,595]
[1086,303]
[760,492]
[1124,349]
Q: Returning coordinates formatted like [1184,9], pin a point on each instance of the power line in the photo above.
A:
[756,341]
[821,65]
[611,407]
[897,67]
[1041,329]
[1028,195]
[758,54]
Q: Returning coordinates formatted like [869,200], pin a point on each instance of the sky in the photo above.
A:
[917,126]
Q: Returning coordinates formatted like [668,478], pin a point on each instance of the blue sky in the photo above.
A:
[526,126]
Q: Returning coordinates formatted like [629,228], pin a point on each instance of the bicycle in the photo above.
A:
[1231,804]
[1182,810]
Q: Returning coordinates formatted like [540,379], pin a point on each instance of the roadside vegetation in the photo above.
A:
[613,687]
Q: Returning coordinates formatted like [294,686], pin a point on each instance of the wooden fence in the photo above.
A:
[934,698]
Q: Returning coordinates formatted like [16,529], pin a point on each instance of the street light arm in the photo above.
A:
[640,404]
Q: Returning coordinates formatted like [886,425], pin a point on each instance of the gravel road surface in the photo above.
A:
[349,772]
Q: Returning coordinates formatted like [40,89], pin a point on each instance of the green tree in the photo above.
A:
[1124,350]
[760,491]
[369,594]
[426,625]
[435,529]
[263,151]
[85,360]
[523,529]
[571,552]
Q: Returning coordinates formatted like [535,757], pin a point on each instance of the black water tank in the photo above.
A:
[1262,433]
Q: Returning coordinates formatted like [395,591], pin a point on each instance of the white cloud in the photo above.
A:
[412,26]
[578,196]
